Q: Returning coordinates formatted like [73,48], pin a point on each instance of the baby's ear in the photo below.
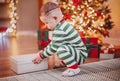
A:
[55,17]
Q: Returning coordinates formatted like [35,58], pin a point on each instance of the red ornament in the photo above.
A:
[98,13]
[77,2]
[67,16]
[85,14]
[106,33]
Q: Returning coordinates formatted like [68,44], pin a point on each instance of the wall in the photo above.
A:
[114,38]
[4,15]
[28,16]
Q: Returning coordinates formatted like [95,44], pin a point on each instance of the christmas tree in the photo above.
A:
[90,16]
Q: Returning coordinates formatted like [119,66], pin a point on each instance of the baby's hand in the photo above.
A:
[37,59]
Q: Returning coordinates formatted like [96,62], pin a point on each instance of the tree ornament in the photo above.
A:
[98,13]
[85,14]
[67,16]
[106,33]
[77,2]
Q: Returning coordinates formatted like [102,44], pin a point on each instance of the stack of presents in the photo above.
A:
[94,49]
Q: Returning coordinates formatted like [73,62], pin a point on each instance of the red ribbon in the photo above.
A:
[43,43]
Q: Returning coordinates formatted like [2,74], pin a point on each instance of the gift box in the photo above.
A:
[43,39]
[107,55]
[93,41]
[93,53]
[92,46]
[23,64]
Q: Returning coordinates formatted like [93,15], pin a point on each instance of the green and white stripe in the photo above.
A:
[68,45]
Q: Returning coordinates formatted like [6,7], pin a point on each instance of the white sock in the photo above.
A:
[71,72]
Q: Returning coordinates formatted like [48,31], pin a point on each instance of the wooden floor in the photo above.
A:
[107,70]
[10,46]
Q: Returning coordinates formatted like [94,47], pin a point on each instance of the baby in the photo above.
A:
[66,42]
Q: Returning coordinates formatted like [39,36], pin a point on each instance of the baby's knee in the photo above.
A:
[61,49]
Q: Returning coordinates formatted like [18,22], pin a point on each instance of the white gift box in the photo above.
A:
[23,64]
[106,56]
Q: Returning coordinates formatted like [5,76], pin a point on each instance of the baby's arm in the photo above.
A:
[57,40]
[51,48]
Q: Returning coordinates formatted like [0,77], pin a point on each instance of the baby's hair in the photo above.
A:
[48,7]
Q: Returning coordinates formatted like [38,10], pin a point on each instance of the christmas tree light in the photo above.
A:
[90,16]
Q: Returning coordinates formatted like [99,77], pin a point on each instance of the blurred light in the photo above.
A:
[9,30]
[13,15]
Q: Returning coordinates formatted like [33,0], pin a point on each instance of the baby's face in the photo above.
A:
[50,22]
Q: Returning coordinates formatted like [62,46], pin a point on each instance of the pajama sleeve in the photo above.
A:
[57,40]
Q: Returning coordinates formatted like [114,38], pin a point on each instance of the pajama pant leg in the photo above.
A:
[69,55]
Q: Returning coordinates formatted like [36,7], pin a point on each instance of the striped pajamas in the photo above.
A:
[68,45]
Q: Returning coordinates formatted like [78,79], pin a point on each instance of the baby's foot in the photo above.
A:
[71,72]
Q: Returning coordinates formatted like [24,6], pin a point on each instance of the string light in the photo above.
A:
[13,16]
[90,16]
